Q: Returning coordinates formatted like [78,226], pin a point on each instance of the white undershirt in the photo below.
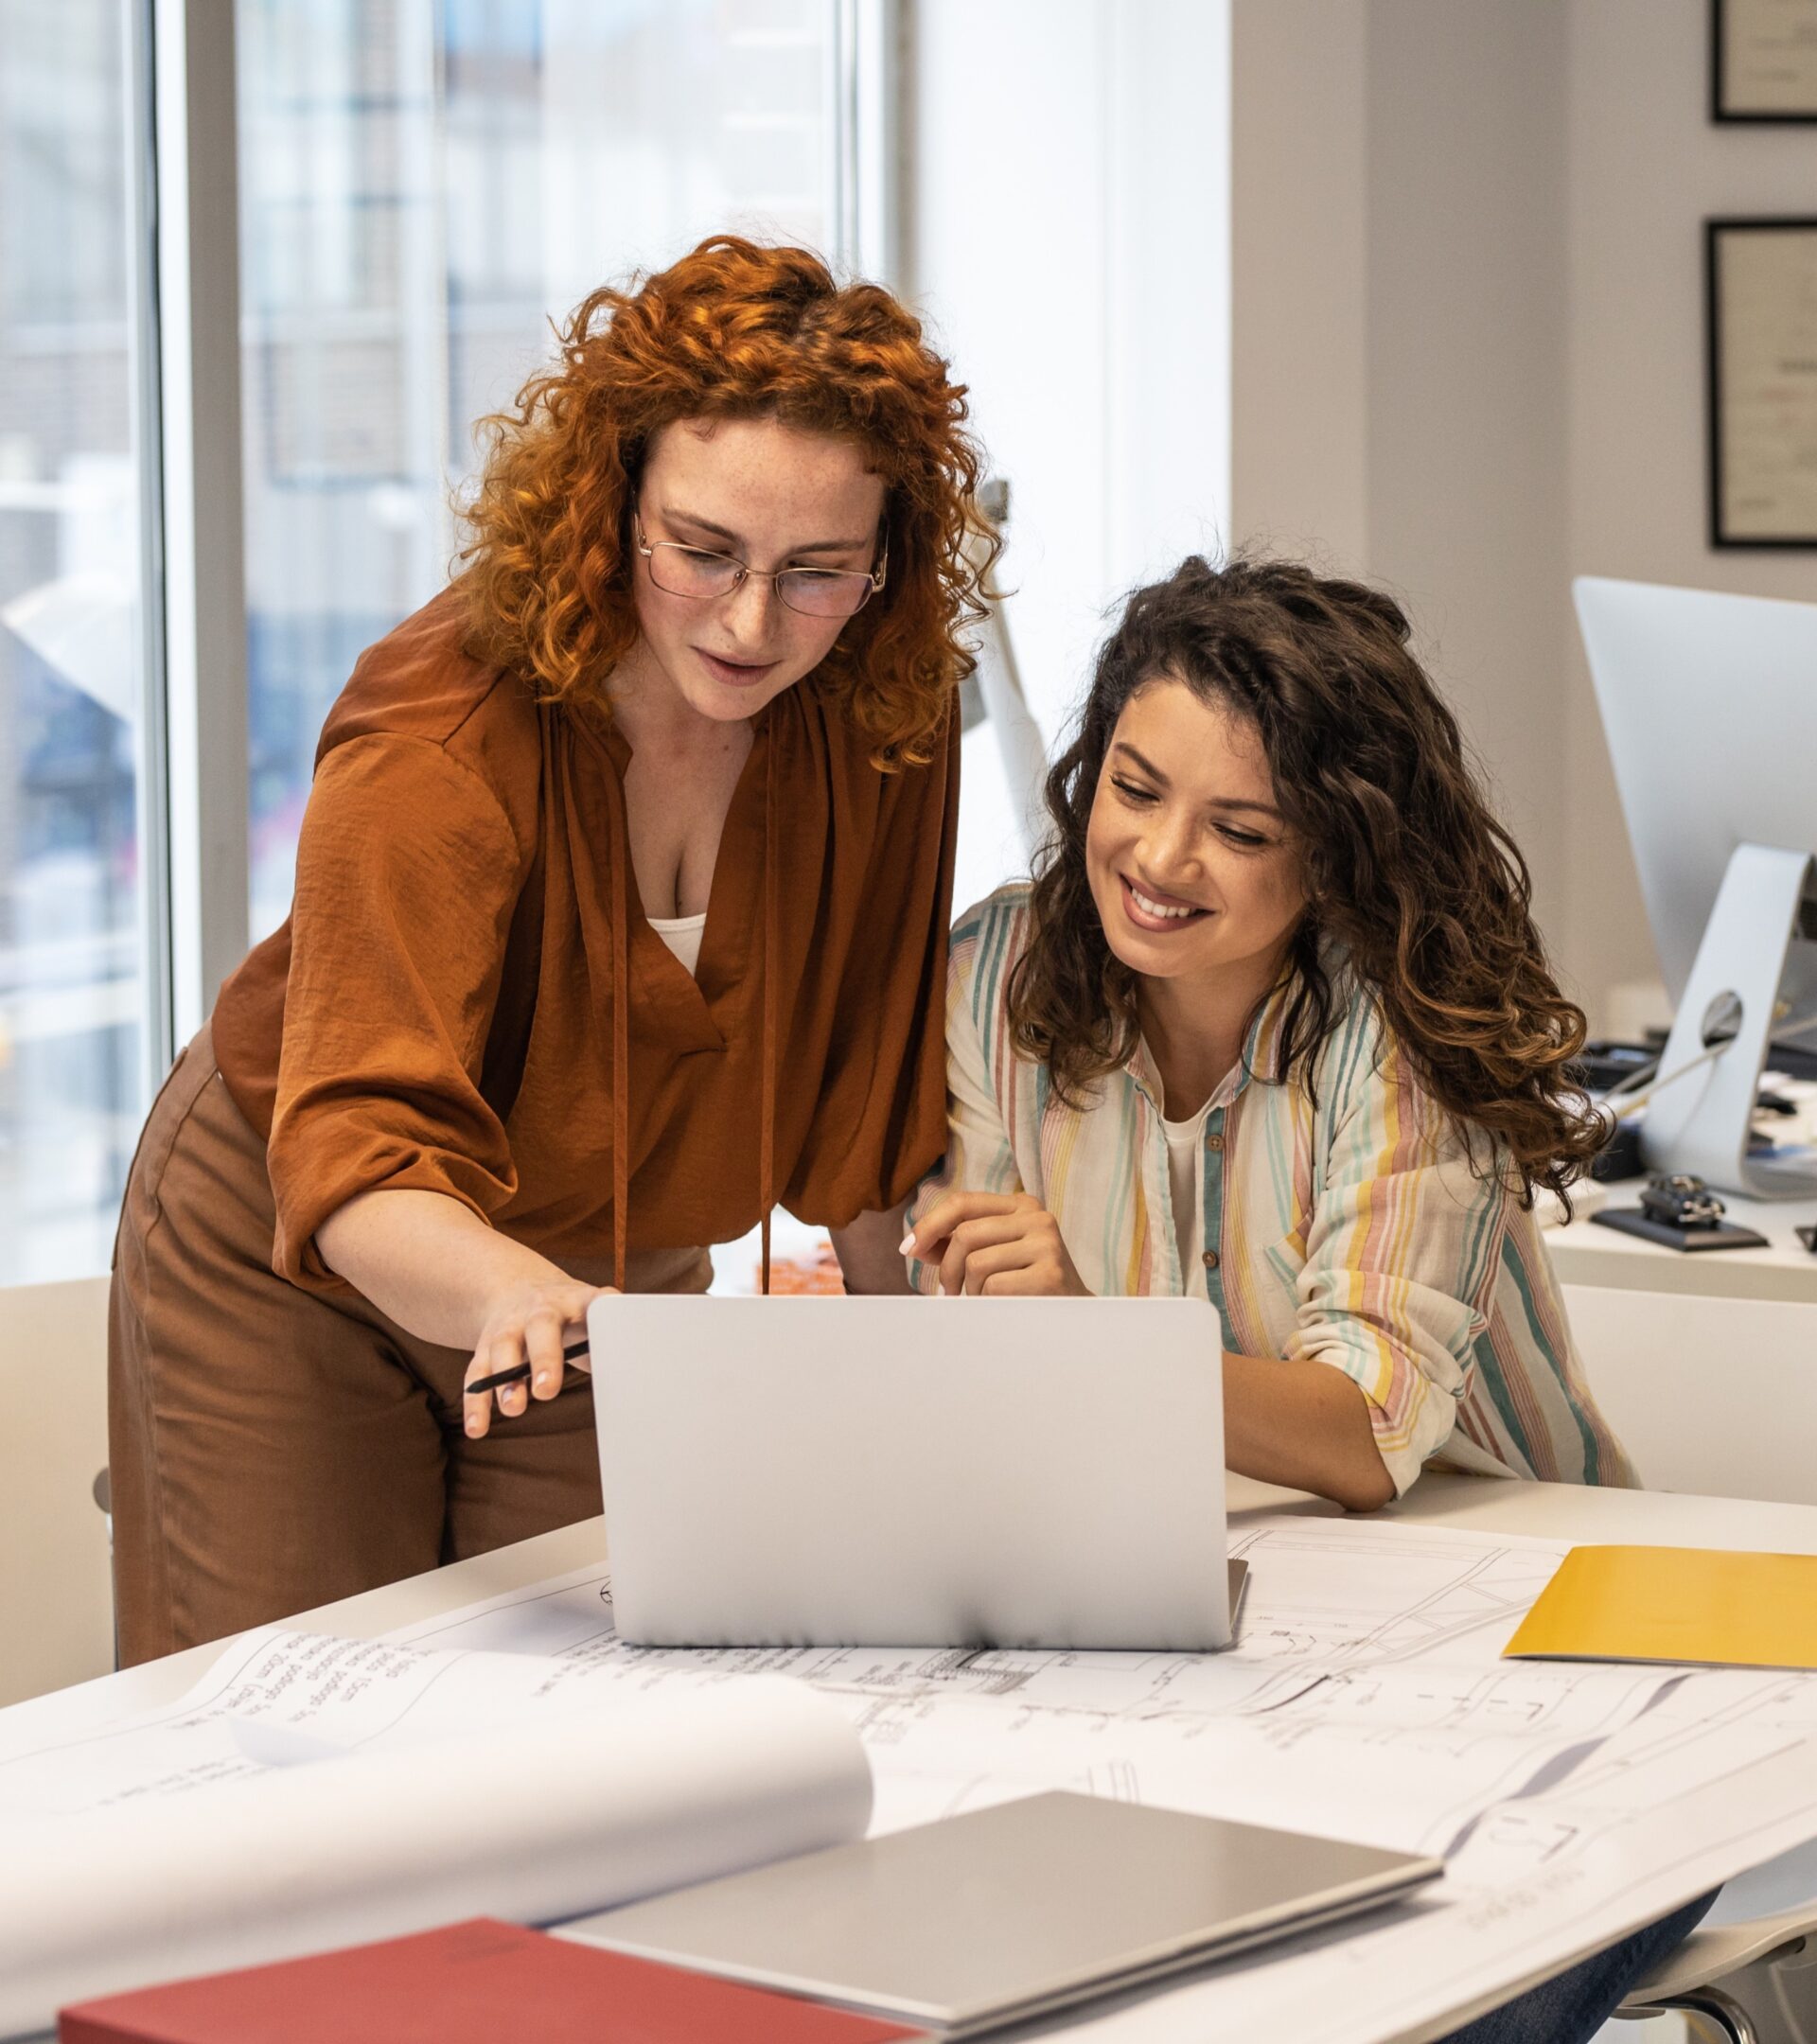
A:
[682,936]
[1185,1167]
[1186,1172]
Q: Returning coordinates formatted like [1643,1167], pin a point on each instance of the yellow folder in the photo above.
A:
[1687,1604]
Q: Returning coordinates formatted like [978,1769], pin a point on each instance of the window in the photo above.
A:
[73,1015]
[424,185]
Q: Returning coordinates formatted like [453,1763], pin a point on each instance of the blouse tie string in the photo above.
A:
[621,1031]
[766,1135]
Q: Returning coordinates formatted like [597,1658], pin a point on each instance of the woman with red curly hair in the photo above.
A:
[621,914]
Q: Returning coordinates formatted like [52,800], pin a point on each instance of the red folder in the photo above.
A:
[471,1983]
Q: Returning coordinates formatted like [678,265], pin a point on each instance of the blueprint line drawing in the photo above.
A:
[1364,1696]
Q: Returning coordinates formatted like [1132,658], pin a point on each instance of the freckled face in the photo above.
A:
[1191,867]
[774,497]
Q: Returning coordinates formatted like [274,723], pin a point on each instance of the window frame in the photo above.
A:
[198,915]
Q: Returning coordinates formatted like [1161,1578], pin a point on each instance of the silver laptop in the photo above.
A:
[911,1472]
[1009,1912]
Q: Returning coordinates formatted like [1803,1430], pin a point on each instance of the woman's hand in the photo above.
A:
[529,1323]
[1002,1244]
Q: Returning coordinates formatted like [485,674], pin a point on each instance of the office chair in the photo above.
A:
[1749,1970]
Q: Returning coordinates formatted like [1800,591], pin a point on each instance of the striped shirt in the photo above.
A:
[1357,1230]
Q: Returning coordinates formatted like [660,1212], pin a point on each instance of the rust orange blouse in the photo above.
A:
[466,952]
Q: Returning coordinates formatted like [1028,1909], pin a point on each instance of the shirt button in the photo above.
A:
[1214,1142]
[1211,1259]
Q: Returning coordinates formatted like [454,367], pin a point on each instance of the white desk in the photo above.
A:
[1550,1510]
[1586,1253]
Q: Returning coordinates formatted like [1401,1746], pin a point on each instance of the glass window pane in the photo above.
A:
[423,187]
[72,1018]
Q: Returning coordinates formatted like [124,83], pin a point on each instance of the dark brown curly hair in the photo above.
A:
[732,330]
[1410,880]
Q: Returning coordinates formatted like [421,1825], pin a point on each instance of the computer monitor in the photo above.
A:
[1709,703]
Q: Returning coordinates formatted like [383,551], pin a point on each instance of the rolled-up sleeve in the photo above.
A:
[1401,1250]
[407,874]
[978,1155]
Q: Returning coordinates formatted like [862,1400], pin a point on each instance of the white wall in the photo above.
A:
[1464,113]
[1461,248]
[1398,353]
[1468,359]
[1067,163]
[1299,437]
[1646,167]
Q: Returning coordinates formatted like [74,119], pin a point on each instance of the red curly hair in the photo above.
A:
[732,330]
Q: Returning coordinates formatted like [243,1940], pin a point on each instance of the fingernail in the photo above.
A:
[543,1379]
[908,1243]
[473,1424]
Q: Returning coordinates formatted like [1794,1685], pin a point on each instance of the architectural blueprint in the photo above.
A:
[1364,1696]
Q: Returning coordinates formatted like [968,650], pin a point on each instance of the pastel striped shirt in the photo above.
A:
[1357,1231]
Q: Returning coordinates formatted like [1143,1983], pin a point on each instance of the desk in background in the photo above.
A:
[1584,1253]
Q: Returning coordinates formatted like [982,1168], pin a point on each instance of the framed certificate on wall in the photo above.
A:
[1763,60]
[1761,311]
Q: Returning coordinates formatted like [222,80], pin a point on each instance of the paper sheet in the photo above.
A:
[1366,1698]
[314,1793]
[276,1696]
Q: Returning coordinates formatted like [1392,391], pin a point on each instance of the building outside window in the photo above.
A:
[73,1006]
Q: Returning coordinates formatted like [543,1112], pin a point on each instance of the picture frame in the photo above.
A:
[1760,300]
[1763,61]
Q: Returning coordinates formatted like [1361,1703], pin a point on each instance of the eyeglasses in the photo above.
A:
[699,573]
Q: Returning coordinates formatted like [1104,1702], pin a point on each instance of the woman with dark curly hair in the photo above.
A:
[649,813]
[1273,1022]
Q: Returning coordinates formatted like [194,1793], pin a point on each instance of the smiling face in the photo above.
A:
[775,497]
[1192,870]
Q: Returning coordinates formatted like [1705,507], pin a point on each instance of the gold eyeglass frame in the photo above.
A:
[872,577]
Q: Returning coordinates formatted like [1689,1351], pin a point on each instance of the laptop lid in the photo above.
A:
[884,1471]
[1009,1912]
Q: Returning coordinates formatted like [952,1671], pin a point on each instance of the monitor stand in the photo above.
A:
[1759,947]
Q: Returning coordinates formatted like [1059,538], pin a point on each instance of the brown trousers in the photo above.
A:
[270,1450]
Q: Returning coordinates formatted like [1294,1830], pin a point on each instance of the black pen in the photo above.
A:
[519,1375]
